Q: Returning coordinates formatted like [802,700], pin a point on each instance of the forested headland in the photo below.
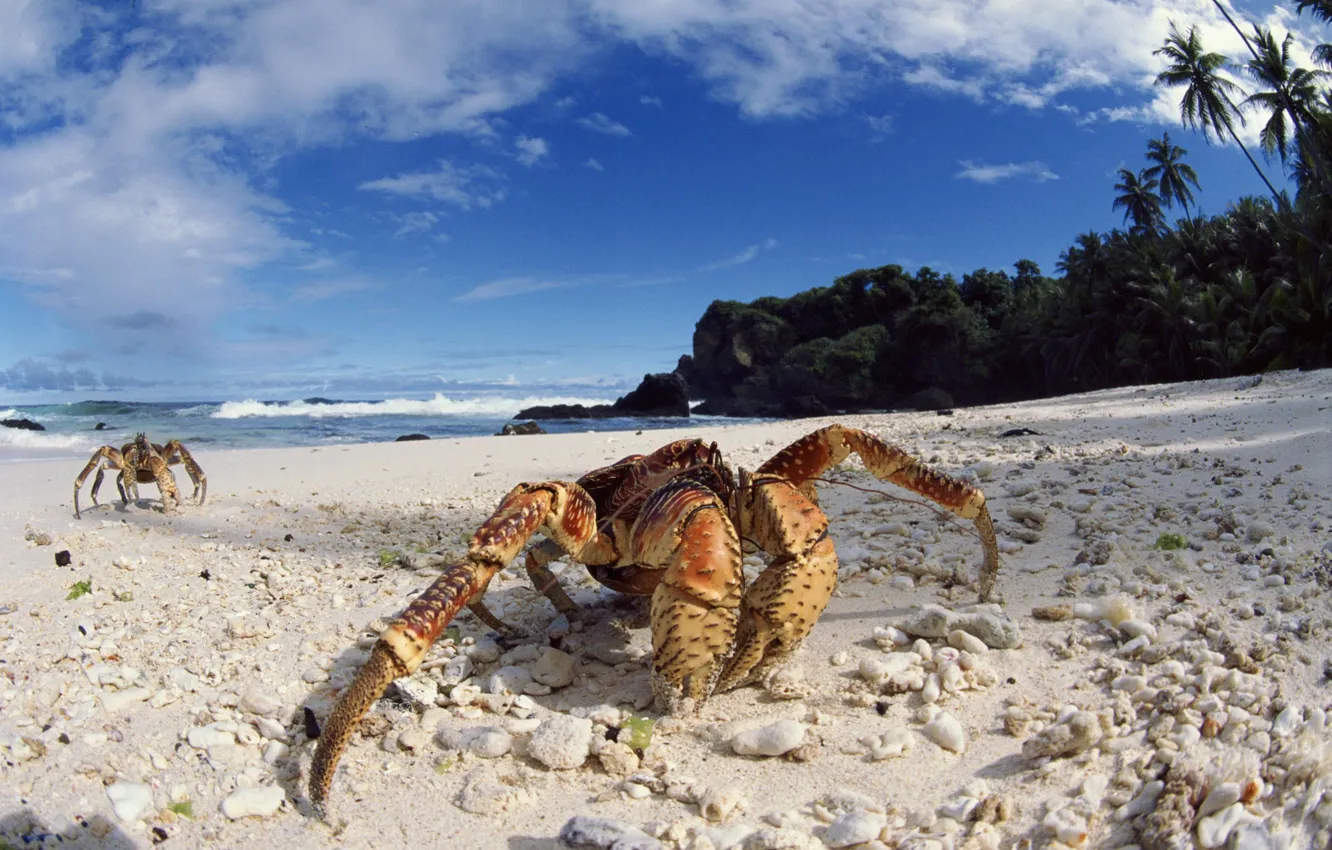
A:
[1242,292]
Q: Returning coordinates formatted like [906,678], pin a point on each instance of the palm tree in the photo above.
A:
[1321,9]
[1138,198]
[1171,172]
[1291,93]
[1206,105]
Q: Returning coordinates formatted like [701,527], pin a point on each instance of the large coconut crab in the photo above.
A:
[671,524]
[142,462]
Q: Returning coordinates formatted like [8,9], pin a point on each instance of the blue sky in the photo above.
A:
[214,199]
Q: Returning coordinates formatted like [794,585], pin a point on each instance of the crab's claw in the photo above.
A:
[563,510]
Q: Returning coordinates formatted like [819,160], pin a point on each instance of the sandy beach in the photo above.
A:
[1157,696]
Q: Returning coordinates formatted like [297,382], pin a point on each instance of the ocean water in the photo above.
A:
[258,424]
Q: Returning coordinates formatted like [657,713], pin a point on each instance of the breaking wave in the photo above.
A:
[20,438]
[439,405]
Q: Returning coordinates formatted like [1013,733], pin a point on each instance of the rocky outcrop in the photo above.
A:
[411,438]
[512,428]
[25,424]
[660,394]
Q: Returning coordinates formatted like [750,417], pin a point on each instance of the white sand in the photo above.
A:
[98,693]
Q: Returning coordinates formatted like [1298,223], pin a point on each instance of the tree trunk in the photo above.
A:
[1280,198]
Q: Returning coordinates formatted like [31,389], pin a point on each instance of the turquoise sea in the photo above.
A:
[256,424]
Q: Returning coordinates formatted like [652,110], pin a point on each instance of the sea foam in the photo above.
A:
[439,405]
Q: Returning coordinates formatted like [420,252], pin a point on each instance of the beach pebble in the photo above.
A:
[998,631]
[561,742]
[1287,721]
[773,740]
[1077,732]
[489,742]
[1068,826]
[946,731]
[457,668]
[616,758]
[890,744]
[1214,830]
[253,802]
[959,639]
[259,703]
[854,828]
[585,831]
[554,668]
[130,800]
[508,680]
[1258,531]
[717,804]
[204,737]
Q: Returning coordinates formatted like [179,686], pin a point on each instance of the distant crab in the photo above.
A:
[143,462]
[672,525]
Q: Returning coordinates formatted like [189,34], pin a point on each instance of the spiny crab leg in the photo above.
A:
[111,459]
[563,510]
[812,455]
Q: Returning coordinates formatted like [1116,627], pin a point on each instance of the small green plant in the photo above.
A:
[184,808]
[125,596]
[1169,541]
[79,588]
[388,557]
[453,633]
[640,731]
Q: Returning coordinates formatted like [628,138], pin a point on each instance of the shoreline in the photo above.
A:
[113,685]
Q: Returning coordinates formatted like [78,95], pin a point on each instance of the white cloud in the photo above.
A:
[650,100]
[594,164]
[982,173]
[747,254]
[881,126]
[415,222]
[462,187]
[530,150]
[507,287]
[600,123]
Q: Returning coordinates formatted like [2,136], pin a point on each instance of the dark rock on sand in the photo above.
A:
[521,428]
[661,394]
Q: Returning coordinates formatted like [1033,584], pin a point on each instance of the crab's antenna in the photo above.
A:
[931,506]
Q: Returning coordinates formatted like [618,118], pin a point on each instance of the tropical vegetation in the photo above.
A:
[1241,292]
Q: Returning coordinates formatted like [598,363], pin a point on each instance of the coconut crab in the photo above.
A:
[143,462]
[672,524]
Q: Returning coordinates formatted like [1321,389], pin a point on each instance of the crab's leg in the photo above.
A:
[113,461]
[166,482]
[683,530]
[787,599]
[176,448]
[544,580]
[812,455]
[562,509]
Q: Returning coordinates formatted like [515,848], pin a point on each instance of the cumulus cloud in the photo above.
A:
[530,150]
[32,375]
[982,173]
[600,123]
[475,186]
[594,164]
